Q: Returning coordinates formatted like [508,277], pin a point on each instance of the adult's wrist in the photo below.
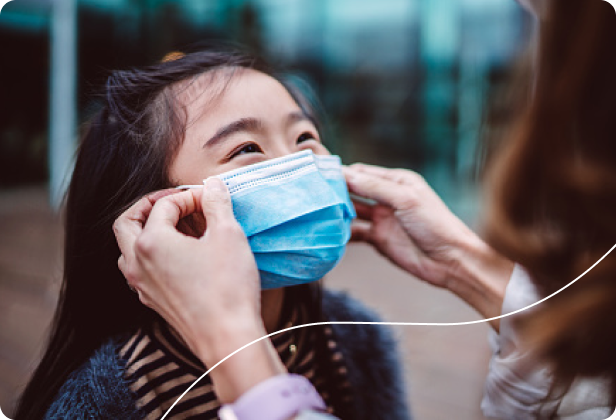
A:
[245,369]
[224,336]
[480,276]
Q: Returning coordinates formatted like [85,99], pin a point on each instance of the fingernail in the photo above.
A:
[214,184]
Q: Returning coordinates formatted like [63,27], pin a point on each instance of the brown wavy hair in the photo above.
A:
[553,190]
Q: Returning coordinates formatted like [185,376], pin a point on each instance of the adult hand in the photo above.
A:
[206,288]
[412,227]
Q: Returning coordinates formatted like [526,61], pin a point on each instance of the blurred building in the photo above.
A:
[404,82]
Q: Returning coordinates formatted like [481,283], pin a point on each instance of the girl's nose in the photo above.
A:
[282,147]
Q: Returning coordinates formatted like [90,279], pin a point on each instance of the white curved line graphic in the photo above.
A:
[387,323]
[613,4]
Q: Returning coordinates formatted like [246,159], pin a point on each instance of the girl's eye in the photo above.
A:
[304,137]
[245,149]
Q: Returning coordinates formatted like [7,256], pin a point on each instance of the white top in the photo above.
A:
[512,392]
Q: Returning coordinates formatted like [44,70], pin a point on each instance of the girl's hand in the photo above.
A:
[206,288]
[412,227]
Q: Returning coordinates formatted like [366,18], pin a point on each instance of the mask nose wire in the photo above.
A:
[282,155]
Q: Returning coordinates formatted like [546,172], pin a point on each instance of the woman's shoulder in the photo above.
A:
[97,389]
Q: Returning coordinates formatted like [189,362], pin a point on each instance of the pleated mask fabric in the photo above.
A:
[296,212]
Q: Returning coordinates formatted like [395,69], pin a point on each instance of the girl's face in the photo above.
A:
[252,120]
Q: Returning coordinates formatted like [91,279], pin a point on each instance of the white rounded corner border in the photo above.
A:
[2,4]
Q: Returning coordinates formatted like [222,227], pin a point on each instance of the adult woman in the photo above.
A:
[561,152]
[150,135]
[553,189]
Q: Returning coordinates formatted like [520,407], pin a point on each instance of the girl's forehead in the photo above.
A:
[209,84]
[232,91]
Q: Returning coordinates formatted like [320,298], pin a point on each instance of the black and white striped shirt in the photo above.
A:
[159,368]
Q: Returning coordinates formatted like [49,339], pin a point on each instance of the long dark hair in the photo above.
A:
[124,155]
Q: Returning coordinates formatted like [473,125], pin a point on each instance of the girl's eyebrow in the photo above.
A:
[298,116]
[250,125]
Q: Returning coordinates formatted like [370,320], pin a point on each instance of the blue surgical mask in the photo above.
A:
[296,213]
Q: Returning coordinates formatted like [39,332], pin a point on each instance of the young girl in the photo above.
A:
[174,123]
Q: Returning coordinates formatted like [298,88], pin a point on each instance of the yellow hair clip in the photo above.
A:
[173,55]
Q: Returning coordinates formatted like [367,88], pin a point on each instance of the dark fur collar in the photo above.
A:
[98,390]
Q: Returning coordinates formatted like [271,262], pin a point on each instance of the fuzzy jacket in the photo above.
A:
[98,389]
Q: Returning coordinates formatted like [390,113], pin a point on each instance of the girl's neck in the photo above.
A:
[271,308]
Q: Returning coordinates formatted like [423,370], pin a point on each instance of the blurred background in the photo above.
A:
[419,84]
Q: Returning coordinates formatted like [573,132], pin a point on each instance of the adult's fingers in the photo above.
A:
[401,176]
[364,211]
[374,187]
[130,272]
[168,211]
[130,224]
[361,232]
[122,265]
[216,203]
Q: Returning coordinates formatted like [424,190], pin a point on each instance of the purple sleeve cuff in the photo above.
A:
[277,398]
